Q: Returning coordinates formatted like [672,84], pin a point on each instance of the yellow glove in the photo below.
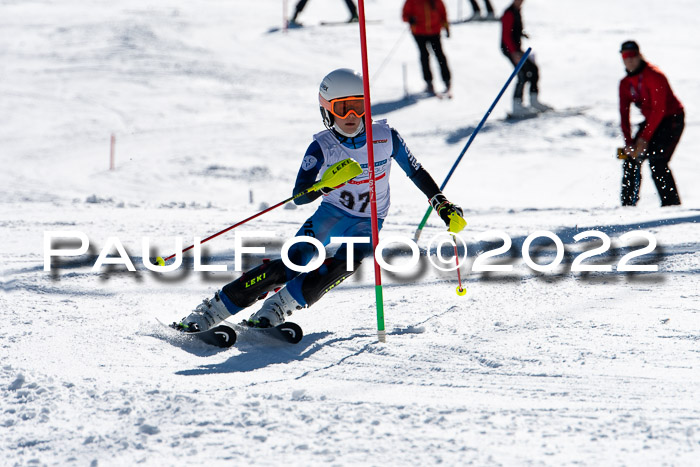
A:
[450,213]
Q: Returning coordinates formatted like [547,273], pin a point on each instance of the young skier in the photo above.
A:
[344,211]
[511,34]
[647,87]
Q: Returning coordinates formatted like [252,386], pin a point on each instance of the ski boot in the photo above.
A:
[293,23]
[520,111]
[536,104]
[274,310]
[208,314]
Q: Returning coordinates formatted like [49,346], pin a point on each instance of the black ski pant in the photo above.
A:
[475,6]
[436,45]
[529,73]
[327,222]
[661,147]
[302,3]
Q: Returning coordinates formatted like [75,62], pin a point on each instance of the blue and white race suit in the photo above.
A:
[345,211]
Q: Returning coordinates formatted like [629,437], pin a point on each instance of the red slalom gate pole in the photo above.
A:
[381,332]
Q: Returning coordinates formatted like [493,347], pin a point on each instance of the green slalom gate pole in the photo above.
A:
[520,64]
[381,332]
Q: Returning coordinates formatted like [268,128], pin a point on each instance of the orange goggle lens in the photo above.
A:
[341,108]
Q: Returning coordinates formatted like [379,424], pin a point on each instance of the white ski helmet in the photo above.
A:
[337,84]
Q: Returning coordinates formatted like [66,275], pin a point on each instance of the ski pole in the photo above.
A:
[336,175]
[473,135]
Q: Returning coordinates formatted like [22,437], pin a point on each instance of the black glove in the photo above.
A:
[444,208]
[412,20]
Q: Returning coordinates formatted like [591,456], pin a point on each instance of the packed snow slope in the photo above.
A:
[212,108]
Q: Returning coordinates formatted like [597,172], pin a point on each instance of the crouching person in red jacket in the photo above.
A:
[657,137]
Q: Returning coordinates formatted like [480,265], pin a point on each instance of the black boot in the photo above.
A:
[293,22]
[665,184]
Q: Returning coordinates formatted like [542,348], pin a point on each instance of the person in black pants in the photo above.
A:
[427,19]
[511,46]
[302,3]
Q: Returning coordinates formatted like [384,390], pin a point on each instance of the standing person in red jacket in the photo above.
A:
[427,18]
[647,87]
[511,35]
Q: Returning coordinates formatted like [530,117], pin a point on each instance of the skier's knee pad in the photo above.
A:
[256,283]
[332,272]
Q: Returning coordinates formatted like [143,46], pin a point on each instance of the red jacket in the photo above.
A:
[427,17]
[511,30]
[649,90]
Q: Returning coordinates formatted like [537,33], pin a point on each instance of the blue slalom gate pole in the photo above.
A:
[471,138]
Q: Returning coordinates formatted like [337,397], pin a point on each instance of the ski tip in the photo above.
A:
[223,336]
[292,332]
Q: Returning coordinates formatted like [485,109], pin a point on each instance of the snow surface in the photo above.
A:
[211,114]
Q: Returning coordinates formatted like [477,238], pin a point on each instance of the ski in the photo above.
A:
[286,332]
[567,112]
[516,118]
[295,25]
[225,334]
[482,19]
[340,23]
[428,95]
[290,25]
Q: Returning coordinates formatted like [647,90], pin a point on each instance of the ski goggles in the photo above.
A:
[629,54]
[341,108]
